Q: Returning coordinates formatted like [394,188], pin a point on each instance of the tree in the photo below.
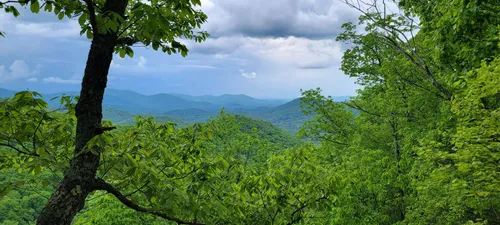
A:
[463,32]
[399,32]
[113,26]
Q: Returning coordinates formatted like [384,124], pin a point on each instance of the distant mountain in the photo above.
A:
[118,116]
[196,115]
[341,98]
[288,116]
[4,93]
[122,117]
[232,101]
[120,106]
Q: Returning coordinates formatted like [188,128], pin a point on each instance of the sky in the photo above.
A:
[261,48]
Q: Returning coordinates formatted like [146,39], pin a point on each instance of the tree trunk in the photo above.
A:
[69,197]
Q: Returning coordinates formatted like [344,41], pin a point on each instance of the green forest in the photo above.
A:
[418,144]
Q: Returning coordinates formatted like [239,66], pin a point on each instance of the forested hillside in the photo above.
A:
[418,144]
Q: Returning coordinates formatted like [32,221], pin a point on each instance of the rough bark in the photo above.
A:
[69,197]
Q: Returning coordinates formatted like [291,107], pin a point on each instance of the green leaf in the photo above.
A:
[89,34]
[129,160]
[48,7]
[112,25]
[57,9]
[131,171]
[82,19]
[35,6]
[37,170]
[122,53]
[155,45]
[13,10]
[129,51]
[60,16]
[5,190]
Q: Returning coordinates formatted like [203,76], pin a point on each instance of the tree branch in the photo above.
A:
[36,129]
[129,41]
[422,68]
[7,2]
[101,130]
[19,150]
[100,184]
[356,106]
[92,17]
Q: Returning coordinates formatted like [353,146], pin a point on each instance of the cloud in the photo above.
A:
[18,69]
[221,56]
[251,75]
[59,80]
[32,79]
[67,29]
[142,61]
[300,53]
[216,46]
[198,66]
[313,19]
[297,52]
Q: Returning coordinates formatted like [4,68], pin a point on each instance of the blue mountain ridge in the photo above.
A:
[121,106]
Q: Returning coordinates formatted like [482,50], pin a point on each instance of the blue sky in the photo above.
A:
[262,48]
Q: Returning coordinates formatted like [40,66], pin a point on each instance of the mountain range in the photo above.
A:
[121,106]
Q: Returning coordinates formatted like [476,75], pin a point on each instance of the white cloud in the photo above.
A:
[32,79]
[298,52]
[251,75]
[221,56]
[292,51]
[19,69]
[68,29]
[59,80]
[142,62]
[208,67]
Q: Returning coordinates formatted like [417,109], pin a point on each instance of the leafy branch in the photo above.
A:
[100,184]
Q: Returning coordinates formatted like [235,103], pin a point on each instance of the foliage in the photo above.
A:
[185,171]
[23,204]
[153,23]
[419,144]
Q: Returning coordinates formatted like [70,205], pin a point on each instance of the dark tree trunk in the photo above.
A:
[69,197]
